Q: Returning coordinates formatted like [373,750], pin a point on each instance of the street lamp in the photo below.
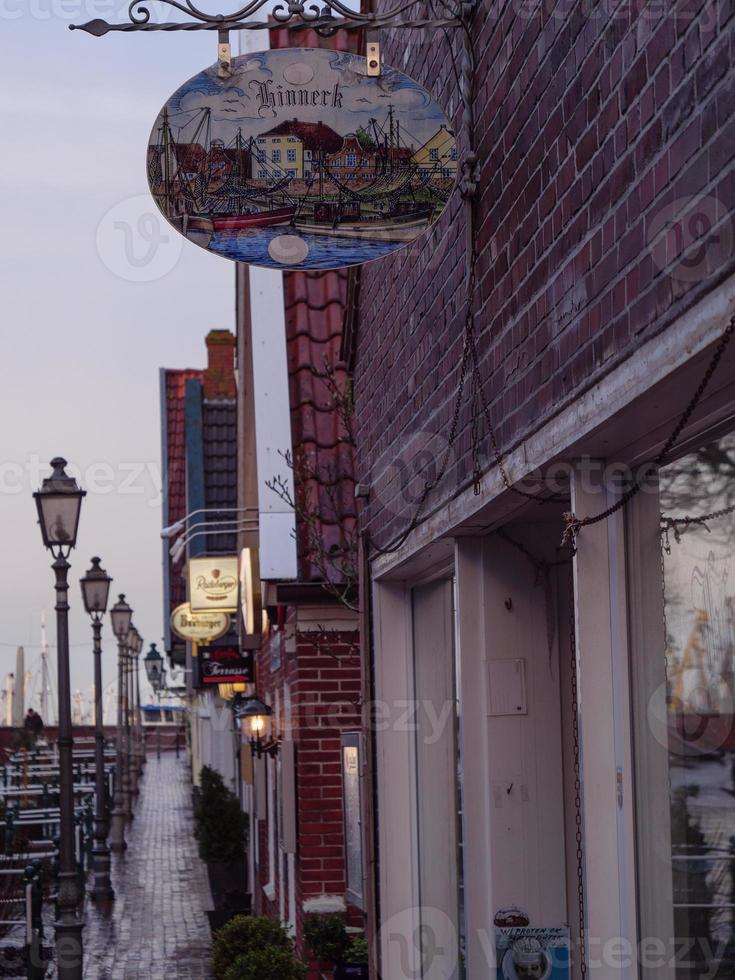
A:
[120,617]
[153,662]
[135,645]
[59,503]
[257,717]
[95,593]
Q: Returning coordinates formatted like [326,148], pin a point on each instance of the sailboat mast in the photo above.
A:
[391,137]
[44,669]
[167,163]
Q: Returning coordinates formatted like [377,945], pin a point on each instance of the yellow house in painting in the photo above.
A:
[438,154]
[278,154]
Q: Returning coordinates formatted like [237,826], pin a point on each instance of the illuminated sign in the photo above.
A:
[198,627]
[213,584]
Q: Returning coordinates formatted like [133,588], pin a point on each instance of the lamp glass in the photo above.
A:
[95,588]
[121,616]
[59,504]
[153,662]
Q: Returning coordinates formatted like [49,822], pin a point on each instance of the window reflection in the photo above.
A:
[699,605]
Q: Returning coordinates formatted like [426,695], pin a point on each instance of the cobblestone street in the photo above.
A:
[158,926]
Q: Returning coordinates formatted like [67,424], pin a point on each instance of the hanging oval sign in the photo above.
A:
[199,626]
[300,160]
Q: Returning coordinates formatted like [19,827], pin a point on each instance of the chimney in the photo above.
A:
[219,377]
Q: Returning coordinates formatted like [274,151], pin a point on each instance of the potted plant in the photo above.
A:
[267,963]
[242,940]
[221,830]
[354,962]
[327,937]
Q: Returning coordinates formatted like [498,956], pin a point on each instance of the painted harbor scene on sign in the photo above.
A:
[300,160]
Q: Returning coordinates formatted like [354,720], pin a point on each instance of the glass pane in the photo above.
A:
[699,591]
[60,517]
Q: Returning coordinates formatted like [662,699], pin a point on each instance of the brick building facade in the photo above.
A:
[606,147]
[308,666]
[541,778]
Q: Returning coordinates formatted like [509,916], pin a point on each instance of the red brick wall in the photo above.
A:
[598,127]
[324,680]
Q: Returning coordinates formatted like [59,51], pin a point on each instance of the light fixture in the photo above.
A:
[121,616]
[178,526]
[95,589]
[59,503]
[95,593]
[178,548]
[257,718]
[153,662]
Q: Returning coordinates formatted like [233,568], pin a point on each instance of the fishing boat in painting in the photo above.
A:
[254,219]
[223,161]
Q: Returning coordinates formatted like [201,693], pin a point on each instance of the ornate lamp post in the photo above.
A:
[59,503]
[120,616]
[153,662]
[95,593]
[135,645]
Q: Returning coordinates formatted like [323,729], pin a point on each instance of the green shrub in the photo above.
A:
[326,936]
[221,826]
[266,963]
[245,935]
[357,950]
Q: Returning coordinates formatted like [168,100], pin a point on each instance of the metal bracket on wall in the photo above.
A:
[224,55]
[326,19]
[373,56]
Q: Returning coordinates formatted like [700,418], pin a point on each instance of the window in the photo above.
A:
[351,160]
[276,156]
[292,139]
[263,174]
[290,173]
[291,156]
[336,163]
[685,729]
[453,153]
[261,139]
[276,139]
[434,154]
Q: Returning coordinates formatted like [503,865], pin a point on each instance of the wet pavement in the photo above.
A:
[157,927]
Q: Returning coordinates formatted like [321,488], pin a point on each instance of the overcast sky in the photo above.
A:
[82,336]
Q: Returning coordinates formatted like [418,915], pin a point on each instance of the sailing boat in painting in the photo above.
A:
[299,159]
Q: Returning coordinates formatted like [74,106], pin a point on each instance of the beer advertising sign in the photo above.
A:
[300,160]
[214,584]
[199,627]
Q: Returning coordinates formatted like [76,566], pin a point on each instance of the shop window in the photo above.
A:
[696,714]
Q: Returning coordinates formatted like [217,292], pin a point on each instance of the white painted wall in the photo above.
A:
[605,731]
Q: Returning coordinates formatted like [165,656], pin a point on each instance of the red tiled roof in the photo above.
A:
[315,303]
[175,387]
[190,156]
[315,136]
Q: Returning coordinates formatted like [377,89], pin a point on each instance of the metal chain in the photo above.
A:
[577,780]
[680,524]
[574,524]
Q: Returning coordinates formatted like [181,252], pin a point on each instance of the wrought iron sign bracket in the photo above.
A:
[325,19]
